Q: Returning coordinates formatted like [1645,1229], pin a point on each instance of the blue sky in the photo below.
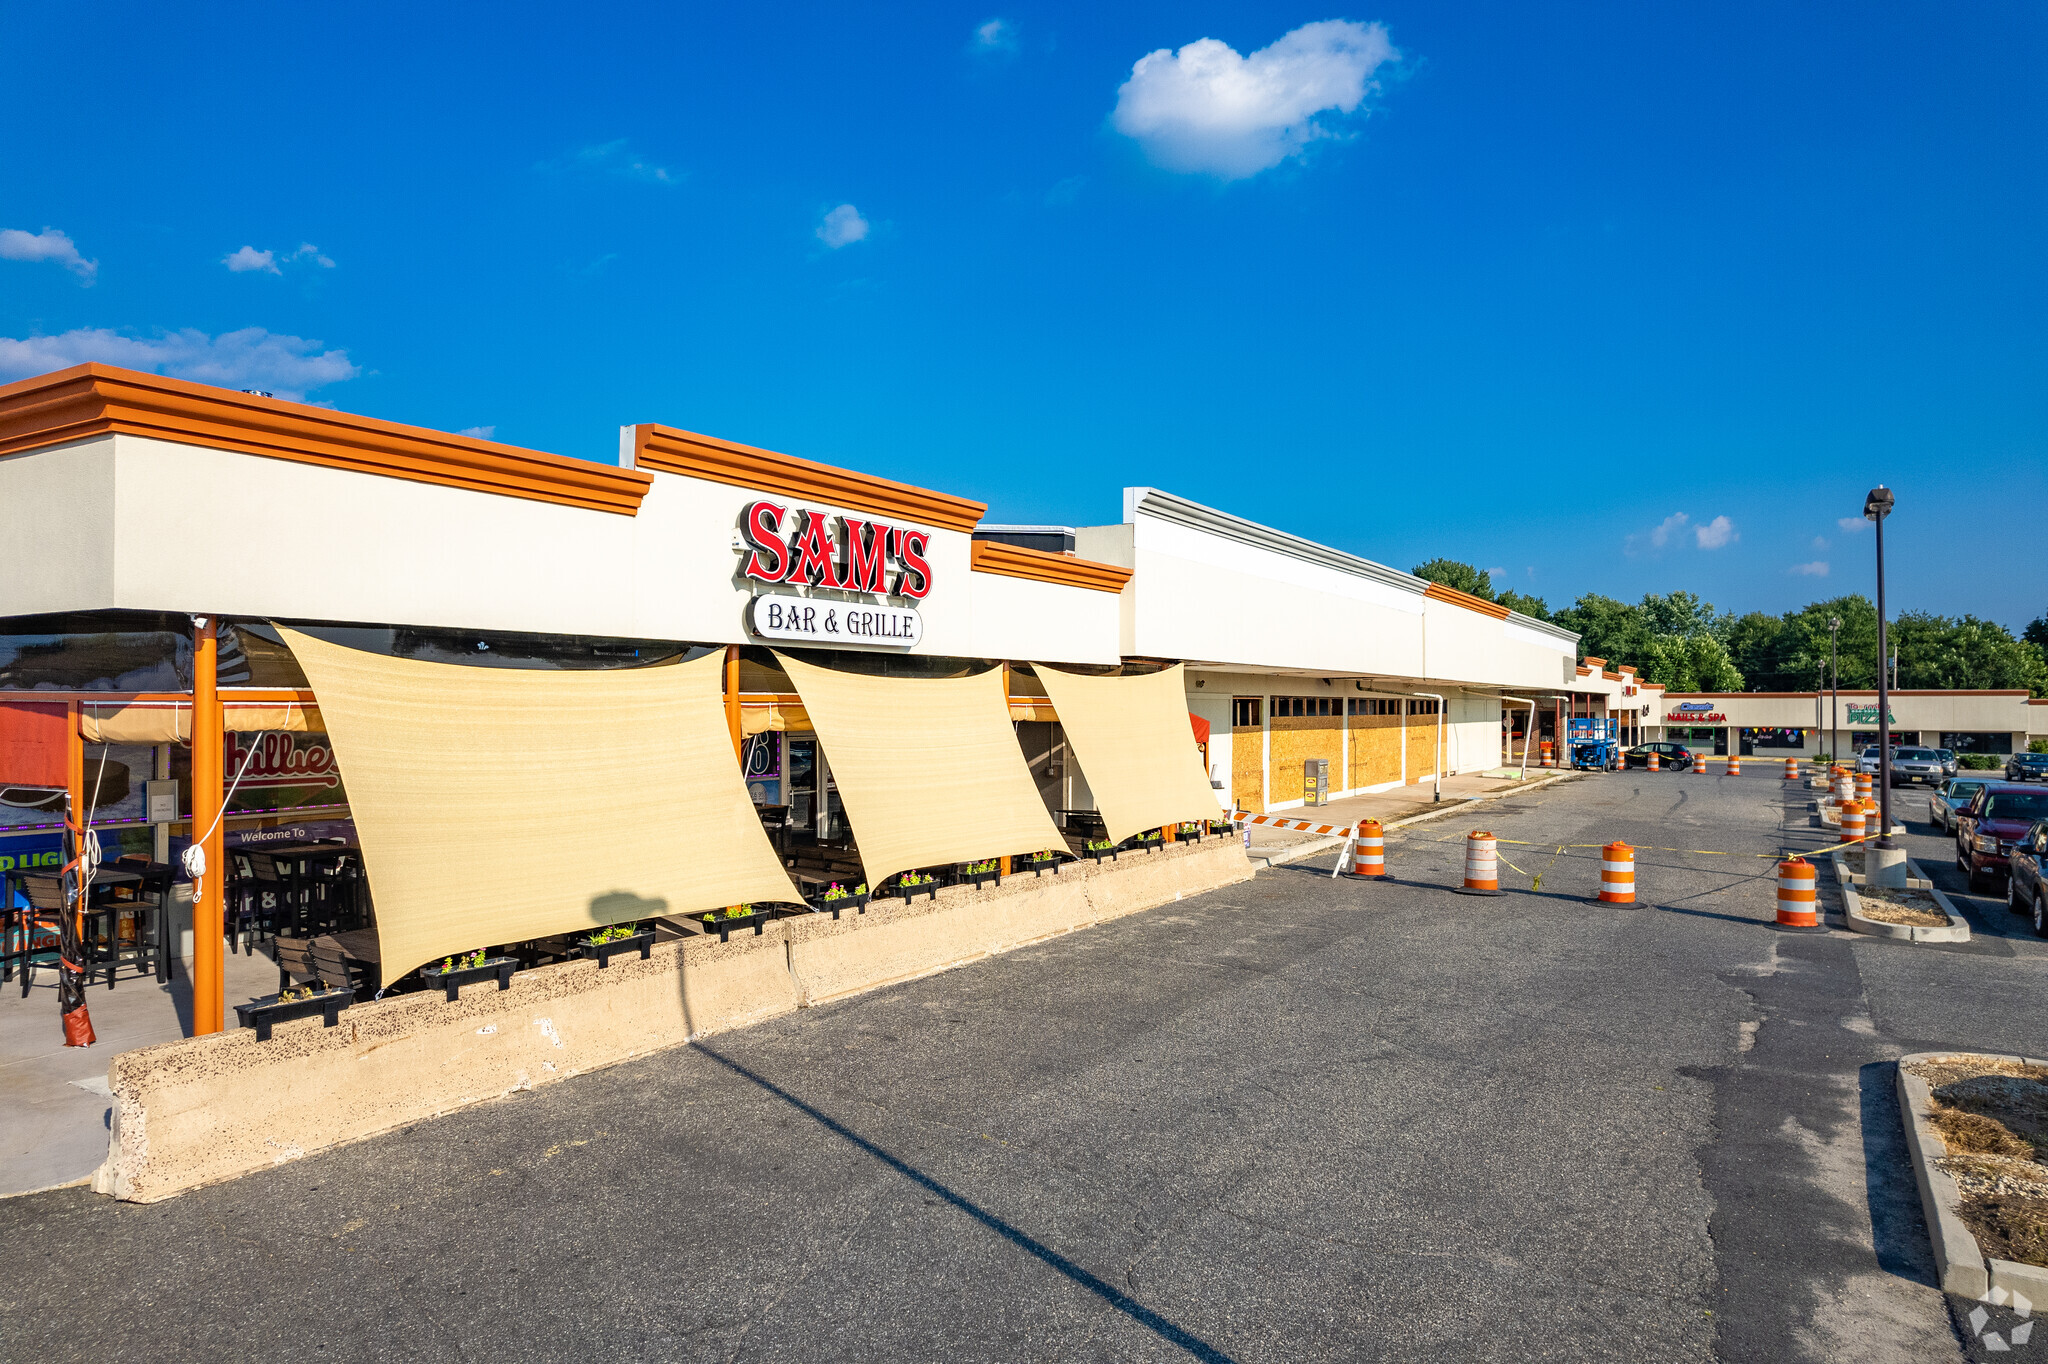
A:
[1616,298]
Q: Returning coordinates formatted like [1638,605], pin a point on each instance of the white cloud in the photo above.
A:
[1671,525]
[1206,109]
[1716,533]
[1496,573]
[249,258]
[478,432]
[1820,542]
[270,262]
[47,245]
[616,158]
[288,366]
[843,226]
[996,35]
[1849,525]
[1817,569]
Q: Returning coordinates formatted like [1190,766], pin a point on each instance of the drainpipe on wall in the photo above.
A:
[1438,793]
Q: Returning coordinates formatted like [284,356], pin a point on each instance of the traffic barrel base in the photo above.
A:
[1482,865]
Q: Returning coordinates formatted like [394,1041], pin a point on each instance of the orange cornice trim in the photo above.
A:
[1471,603]
[1593,662]
[93,399]
[1014,561]
[668,450]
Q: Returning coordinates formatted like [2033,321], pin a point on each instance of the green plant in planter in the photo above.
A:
[839,892]
[911,878]
[460,963]
[981,868]
[732,912]
[1189,829]
[1100,845]
[1042,855]
[611,934]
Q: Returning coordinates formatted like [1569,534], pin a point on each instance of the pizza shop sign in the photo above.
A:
[813,549]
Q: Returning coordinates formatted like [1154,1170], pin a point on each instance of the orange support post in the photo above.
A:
[732,696]
[208,760]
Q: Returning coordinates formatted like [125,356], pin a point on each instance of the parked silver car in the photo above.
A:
[1910,766]
[1945,800]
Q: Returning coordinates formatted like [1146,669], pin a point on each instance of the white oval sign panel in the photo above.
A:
[833,622]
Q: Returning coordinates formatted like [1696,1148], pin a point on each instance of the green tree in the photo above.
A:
[1462,577]
[2036,632]
[1964,654]
[1607,628]
[1527,605]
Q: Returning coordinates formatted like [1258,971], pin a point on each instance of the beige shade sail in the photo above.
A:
[1135,746]
[929,768]
[767,714]
[170,722]
[500,804]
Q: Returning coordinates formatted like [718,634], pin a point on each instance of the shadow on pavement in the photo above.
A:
[1122,1302]
[1898,1228]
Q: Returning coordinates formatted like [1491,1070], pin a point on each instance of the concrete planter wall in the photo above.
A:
[206,1109]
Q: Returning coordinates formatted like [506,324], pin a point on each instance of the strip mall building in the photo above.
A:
[1787,724]
[373,592]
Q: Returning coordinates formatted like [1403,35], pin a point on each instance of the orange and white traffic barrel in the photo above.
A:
[1653,760]
[1845,789]
[1791,769]
[1617,874]
[1734,764]
[1548,759]
[1369,851]
[1482,864]
[1863,786]
[1798,906]
[1852,821]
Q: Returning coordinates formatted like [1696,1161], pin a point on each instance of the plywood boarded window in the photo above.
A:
[1422,736]
[1375,725]
[1303,727]
[1248,753]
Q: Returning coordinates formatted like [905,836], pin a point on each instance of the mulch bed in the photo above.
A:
[1993,1116]
[1892,906]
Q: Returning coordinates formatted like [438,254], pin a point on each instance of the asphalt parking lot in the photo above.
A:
[1300,1119]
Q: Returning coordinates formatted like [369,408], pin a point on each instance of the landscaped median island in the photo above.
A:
[1977,1130]
[1914,912]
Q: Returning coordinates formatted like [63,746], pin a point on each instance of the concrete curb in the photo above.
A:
[1960,1262]
[1958,929]
[1311,847]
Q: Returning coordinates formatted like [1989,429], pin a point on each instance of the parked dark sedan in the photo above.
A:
[1916,766]
[1987,828]
[2023,890]
[2027,767]
[1670,757]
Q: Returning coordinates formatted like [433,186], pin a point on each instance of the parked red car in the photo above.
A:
[1996,818]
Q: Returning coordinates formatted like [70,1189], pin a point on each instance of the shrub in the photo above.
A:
[2037,746]
[1978,762]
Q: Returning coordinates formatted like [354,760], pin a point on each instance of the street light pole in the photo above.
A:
[1835,697]
[1876,507]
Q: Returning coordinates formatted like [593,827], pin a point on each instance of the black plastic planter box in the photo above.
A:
[1200,832]
[641,942]
[454,979]
[1144,844]
[725,927]
[978,879]
[264,1012]
[909,893]
[1038,866]
[844,902]
[1097,854]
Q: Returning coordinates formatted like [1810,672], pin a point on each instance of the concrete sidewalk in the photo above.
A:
[54,1109]
[1274,847]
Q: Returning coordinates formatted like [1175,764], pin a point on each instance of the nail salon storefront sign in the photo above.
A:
[840,553]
